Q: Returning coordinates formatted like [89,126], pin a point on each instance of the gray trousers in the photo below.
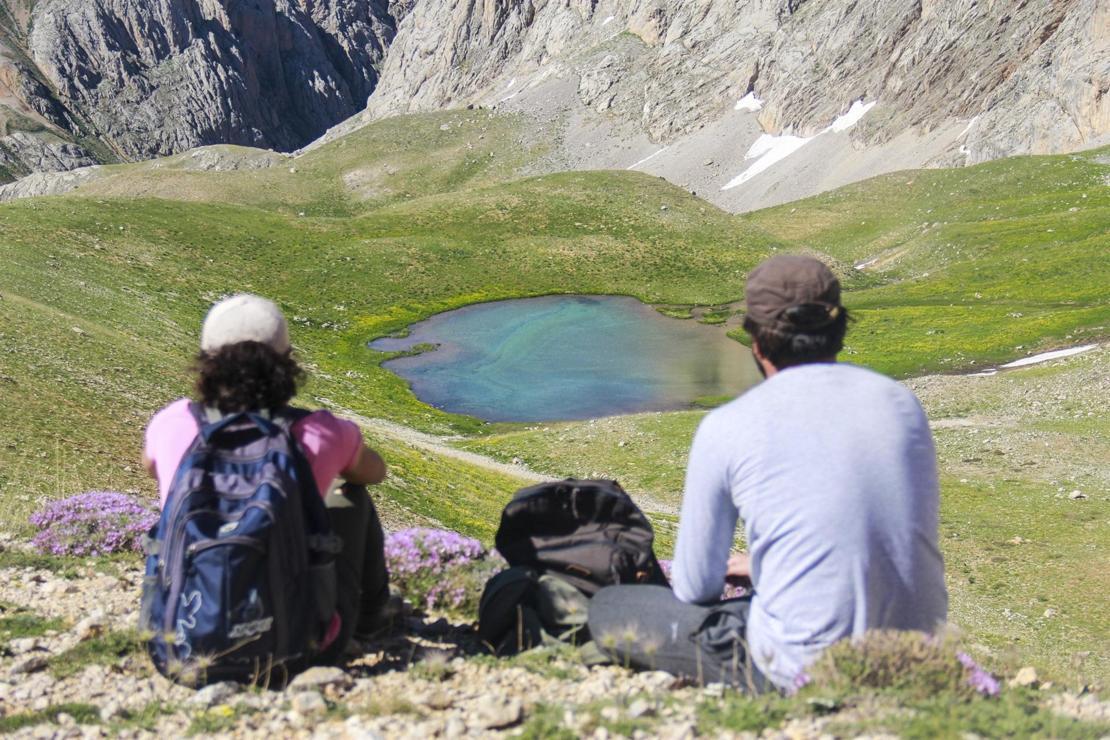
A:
[361,577]
[648,628]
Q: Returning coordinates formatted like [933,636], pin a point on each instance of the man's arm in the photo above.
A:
[707,523]
[367,468]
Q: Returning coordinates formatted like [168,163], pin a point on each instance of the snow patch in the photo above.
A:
[647,158]
[967,128]
[749,103]
[769,150]
[608,20]
[510,86]
[1035,359]
[1046,356]
[851,118]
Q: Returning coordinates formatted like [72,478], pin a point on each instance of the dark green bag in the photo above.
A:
[521,609]
[564,541]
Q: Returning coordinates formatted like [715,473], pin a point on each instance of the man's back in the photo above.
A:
[832,469]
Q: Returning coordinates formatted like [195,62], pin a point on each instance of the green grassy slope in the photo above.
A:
[971,265]
[102,295]
[394,160]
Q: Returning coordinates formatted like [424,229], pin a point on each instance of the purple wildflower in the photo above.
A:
[421,550]
[93,523]
[802,680]
[977,678]
[434,566]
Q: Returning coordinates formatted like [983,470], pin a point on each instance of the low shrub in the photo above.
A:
[18,622]
[439,570]
[105,650]
[93,523]
[85,714]
[911,664]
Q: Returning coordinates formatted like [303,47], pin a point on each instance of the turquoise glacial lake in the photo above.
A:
[567,357]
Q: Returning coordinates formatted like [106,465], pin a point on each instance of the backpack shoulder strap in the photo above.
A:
[211,422]
[287,416]
[203,415]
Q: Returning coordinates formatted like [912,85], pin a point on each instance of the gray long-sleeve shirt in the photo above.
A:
[833,471]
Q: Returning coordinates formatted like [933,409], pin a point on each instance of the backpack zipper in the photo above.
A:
[251,542]
[171,562]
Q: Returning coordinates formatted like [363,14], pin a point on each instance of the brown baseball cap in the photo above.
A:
[779,288]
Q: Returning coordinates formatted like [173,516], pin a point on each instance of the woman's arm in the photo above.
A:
[367,469]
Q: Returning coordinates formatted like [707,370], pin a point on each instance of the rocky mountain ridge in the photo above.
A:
[161,77]
[720,85]
[954,83]
[928,62]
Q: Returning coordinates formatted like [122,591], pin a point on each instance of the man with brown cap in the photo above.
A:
[832,469]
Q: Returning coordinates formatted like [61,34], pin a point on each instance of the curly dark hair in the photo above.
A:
[247,376]
[789,348]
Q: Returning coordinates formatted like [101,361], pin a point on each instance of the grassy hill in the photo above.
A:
[103,295]
[979,264]
[103,291]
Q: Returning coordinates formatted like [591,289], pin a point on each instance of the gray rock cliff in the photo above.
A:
[954,81]
[162,76]
[1033,74]
[37,132]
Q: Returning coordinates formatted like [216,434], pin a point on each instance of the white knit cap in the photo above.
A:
[244,318]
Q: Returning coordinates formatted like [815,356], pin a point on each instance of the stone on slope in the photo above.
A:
[213,694]
[321,677]
[1027,676]
[495,712]
[308,703]
[94,625]
[29,664]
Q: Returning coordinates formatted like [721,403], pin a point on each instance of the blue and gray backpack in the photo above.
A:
[240,573]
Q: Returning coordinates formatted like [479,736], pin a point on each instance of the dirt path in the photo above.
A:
[440,446]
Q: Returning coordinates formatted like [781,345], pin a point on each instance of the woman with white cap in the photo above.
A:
[246,364]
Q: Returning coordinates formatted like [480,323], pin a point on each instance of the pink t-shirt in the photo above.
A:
[329,443]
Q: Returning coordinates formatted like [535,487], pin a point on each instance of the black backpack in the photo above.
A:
[587,533]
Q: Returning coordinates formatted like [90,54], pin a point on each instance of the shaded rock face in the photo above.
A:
[22,151]
[37,132]
[134,79]
[48,183]
[161,76]
[84,81]
[1033,75]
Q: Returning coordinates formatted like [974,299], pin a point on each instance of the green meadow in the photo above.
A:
[102,293]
